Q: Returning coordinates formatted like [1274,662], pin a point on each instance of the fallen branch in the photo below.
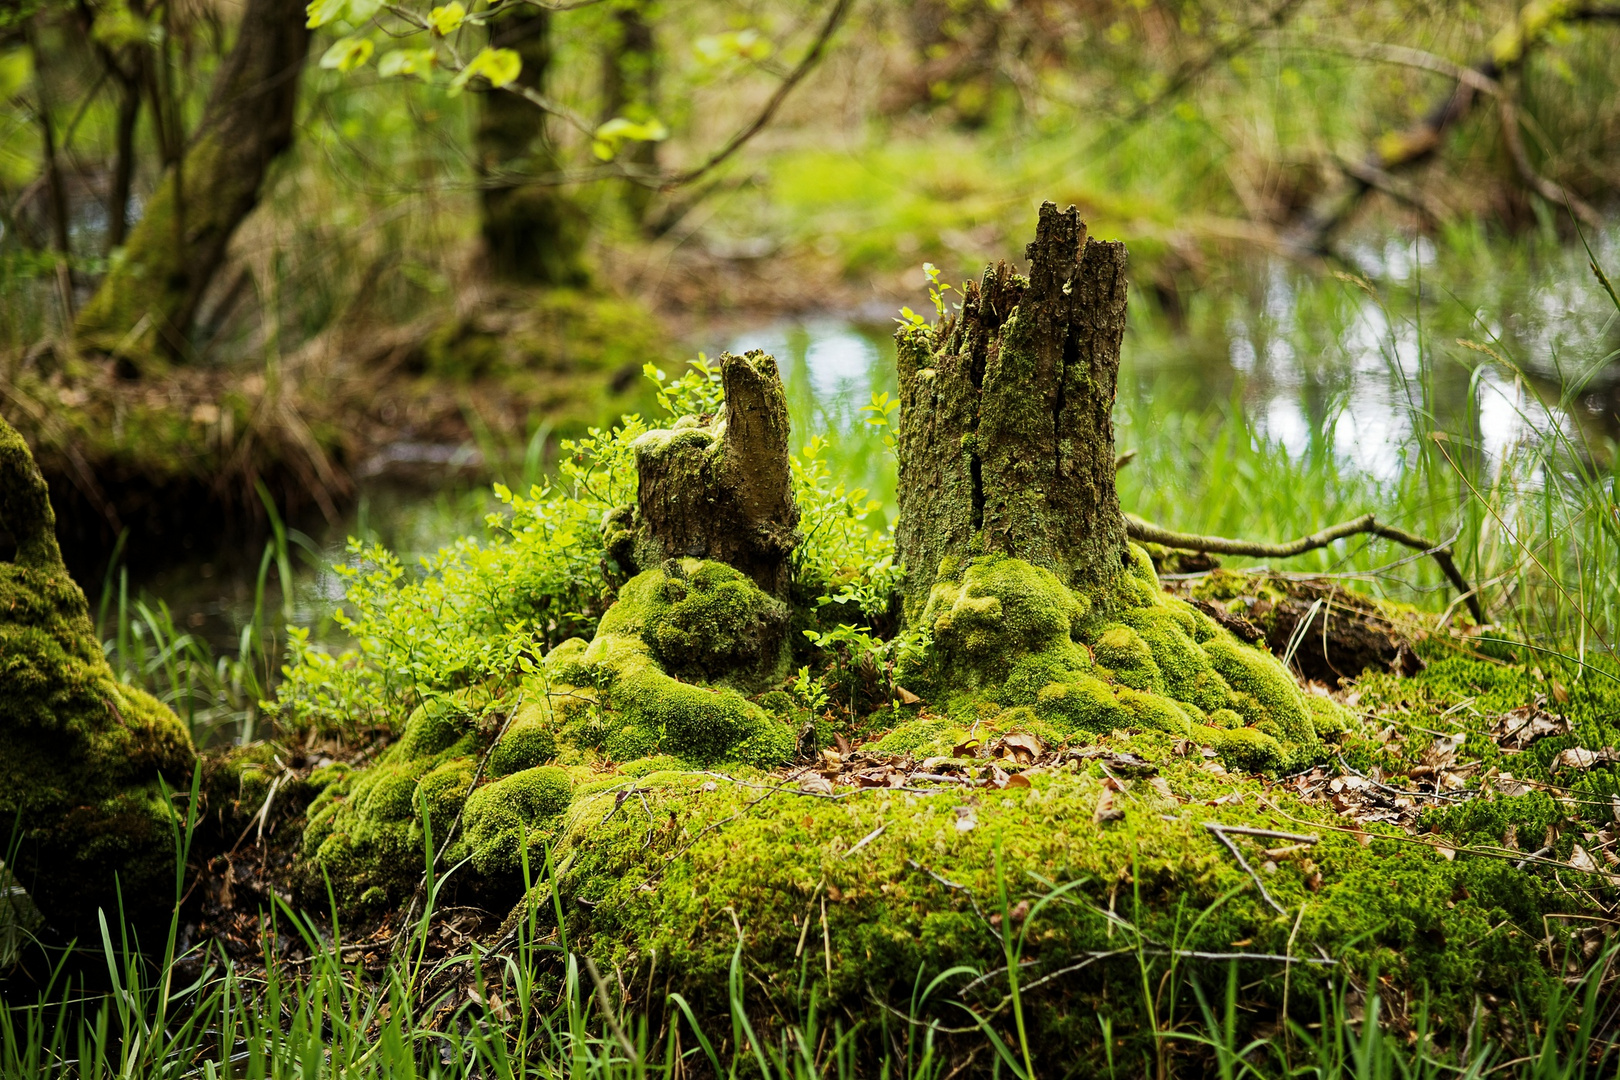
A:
[1147,533]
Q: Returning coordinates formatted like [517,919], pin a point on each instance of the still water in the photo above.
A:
[1360,363]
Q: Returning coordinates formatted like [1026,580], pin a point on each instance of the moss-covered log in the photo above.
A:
[81,754]
[145,306]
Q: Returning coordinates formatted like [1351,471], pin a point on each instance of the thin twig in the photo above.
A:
[1271,834]
[1220,834]
[955,887]
[1146,532]
[867,839]
[839,9]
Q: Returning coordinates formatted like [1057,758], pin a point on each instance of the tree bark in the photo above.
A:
[146,304]
[722,490]
[1006,439]
[630,89]
[533,233]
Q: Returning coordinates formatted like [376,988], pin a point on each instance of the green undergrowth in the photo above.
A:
[632,729]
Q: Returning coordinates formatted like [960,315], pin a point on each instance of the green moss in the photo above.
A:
[698,619]
[82,756]
[703,620]
[1448,929]
[365,827]
[501,815]
[1009,633]
[610,700]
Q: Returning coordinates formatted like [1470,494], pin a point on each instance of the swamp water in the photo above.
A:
[1267,404]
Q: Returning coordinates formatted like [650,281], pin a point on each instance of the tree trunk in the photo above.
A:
[630,90]
[146,304]
[1006,440]
[720,490]
[533,233]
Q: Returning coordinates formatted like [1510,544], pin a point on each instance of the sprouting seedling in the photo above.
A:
[878,413]
[936,291]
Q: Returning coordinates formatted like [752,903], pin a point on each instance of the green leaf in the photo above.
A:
[446,18]
[617,131]
[348,53]
[403,62]
[732,45]
[361,11]
[497,66]
[321,12]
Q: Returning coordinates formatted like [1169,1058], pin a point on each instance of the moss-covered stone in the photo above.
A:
[82,756]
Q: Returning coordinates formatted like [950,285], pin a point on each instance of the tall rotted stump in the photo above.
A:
[1006,442]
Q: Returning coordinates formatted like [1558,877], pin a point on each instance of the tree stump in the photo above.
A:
[1006,440]
[1039,617]
[721,488]
[81,754]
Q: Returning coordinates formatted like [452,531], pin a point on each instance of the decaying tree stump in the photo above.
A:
[1006,440]
[720,489]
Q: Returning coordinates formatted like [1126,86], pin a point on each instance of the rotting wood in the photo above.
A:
[1146,532]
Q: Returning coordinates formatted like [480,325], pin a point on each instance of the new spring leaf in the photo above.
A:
[497,66]
[348,53]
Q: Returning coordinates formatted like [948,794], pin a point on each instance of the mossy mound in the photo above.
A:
[939,873]
[1015,649]
[82,756]
[609,700]
[700,619]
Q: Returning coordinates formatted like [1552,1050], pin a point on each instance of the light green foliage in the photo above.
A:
[1008,635]
[476,611]
[845,567]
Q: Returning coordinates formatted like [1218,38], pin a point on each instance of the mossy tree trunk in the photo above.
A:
[721,490]
[146,304]
[1006,439]
[533,232]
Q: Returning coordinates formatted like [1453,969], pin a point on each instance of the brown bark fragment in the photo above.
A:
[723,490]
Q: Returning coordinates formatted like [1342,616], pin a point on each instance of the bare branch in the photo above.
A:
[1553,192]
[840,8]
[1145,532]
